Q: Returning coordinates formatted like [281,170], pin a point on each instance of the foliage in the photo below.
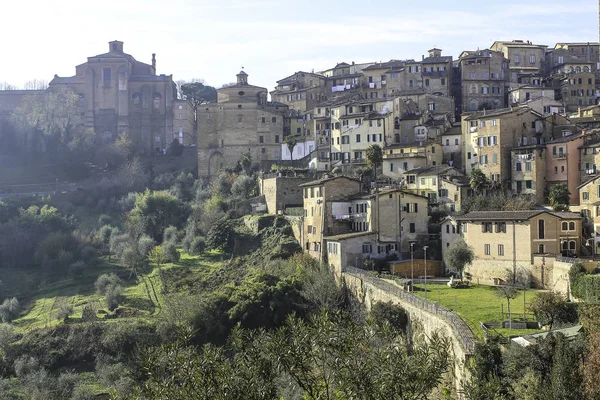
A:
[390,313]
[374,155]
[458,255]
[104,281]
[559,197]
[497,202]
[175,148]
[221,236]
[159,210]
[9,310]
[328,357]
[584,286]
[551,308]
[566,378]
[64,311]
[478,181]
[590,320]
[320,287]
[291,141]
[245,162]
[157,256]
[244,187]
[114,296]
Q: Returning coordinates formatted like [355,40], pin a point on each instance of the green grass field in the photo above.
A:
[144,296]
[480,303]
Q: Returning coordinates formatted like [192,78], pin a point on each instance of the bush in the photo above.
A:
[171,252]
[104,219]
[26,365]
[175,148]
[145,244]
[106,280]
[244,186]
[390,313]
[89,254]
[170,234]
[76,269]
[9,310]
[114,296]
[197,246]
[64,311]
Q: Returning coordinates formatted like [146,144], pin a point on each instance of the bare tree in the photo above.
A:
[6,86]
[36,84]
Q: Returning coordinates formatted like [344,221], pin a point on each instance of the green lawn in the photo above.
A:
[480,304]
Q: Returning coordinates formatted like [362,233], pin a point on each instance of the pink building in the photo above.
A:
[562,163]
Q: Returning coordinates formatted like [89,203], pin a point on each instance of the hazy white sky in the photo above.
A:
[272,39]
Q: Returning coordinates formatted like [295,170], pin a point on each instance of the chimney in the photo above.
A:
[154,61]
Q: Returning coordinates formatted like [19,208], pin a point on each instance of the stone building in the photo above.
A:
[241,121]
[489,137]
[578,89]
[509,240]
[117,94]
[526,60]
[183,123]
[300,91]
[437,73]
[319,214]
[483,75]
[400,158]
[562,163]
[282,192]
[120,94]
[589,203]
[454,189]
[528,166]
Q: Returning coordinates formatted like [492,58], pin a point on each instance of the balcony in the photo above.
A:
[404,155]
[349,217]
[559,156]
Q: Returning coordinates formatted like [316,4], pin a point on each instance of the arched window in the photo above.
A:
[541,249]
[541,232]
[565,245]
[572,245]
[156,100]
[578,69]
[565,226]
[571,226]
[136,98]
[586,69]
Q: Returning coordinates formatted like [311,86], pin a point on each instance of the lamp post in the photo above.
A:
[412,270]
[425,250]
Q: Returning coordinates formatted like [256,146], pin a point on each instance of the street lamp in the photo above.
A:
[412,270]
[425,250]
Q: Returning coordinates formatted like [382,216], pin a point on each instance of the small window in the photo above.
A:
[487,249]
[106,75]
[276,138]
[565,226]
[571,226]
[261,139]
[412,228]
[500,249]
[274,119]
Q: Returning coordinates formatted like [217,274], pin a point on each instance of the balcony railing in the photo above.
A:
[404,155]
[559,155]
[348,217]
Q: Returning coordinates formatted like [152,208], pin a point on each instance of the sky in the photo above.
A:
[212,40]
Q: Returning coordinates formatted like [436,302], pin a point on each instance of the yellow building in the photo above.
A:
[504,240]
[398,158]
[426,181]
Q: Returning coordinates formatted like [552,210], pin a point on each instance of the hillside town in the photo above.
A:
[478,172]
[515,119]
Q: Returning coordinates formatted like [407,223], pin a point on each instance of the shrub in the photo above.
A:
[9,310]
[171,252]
[390,313]
[170,234]
[106,280]
[64,311]
[76,269]
[114,296]
[175,148]
[197,246]
[25,365]
[89,254]
[104,219]
[145,244]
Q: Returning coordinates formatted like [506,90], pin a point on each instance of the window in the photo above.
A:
[263,120]
[528,184]
[456,142]
[572,245]
[367,248]
[432,150]
[276,138]
[500,227]
[531,59]
[565,226]
[527,165]
[541,232]
[345,139]
[486,227]
[518,166]
[500,249]
[106,76]
[261,139]
[412,228]
[571,226]
[487,249]
[447,228]
[274,119]
[357,138]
